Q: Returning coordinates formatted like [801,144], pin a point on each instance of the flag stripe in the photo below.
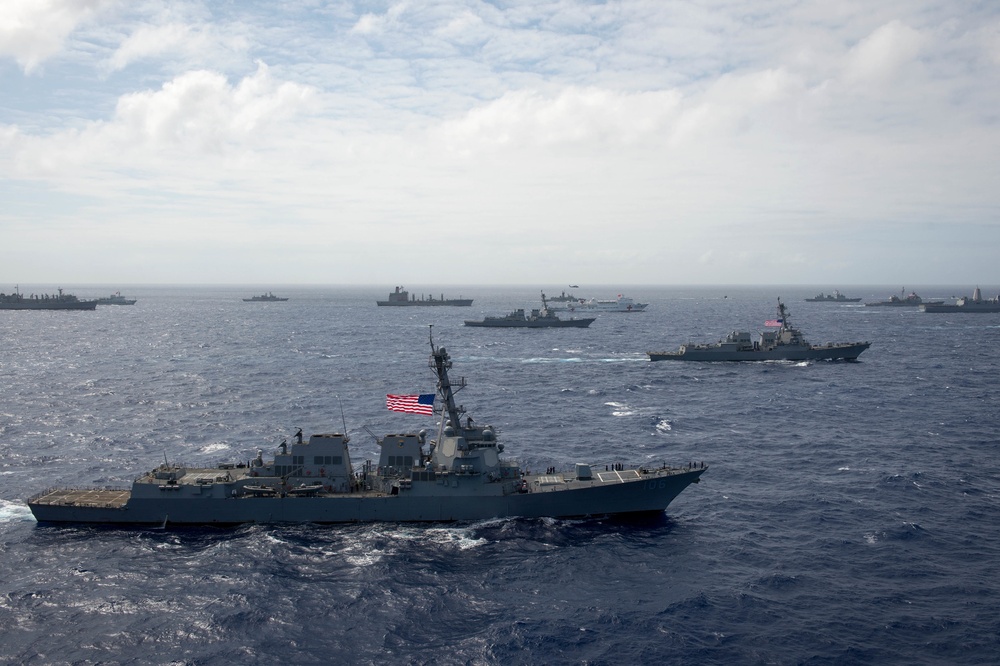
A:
[773,322]
[411,404]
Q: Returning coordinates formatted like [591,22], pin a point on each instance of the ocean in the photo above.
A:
[850,513]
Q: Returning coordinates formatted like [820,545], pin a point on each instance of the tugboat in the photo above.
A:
[401,297]
[459,475]
[783,344]
[60,301]
[966,304]
[910,299]
[264,298]
[543,318]
[835,297]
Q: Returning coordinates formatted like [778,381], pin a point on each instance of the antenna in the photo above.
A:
[343,418]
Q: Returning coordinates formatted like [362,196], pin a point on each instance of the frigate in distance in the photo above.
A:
[458,476]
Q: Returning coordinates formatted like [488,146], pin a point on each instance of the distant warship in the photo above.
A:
[617,304]
[543,318]
[264,298]
[116,299]
[60,301]
[835,297]
[459,475]
[783,344]
[966,304]
[402,297]
[910,299]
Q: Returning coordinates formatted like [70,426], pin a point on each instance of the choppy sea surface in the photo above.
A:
[851,512]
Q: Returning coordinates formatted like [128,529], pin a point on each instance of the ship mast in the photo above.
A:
[440,362]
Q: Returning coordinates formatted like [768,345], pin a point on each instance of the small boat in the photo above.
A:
[268,297]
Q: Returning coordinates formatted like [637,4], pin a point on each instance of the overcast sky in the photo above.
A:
[516,141]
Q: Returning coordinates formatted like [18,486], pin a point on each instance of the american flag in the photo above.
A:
[773,322]
[411,404]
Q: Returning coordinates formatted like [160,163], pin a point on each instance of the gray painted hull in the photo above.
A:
[561,323]
[652,493]
[832,353]
[930,307]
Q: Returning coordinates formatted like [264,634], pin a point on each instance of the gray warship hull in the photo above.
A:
[639,493]
[784,344]
[454,302]
[975,303]
[539,323]
[457,476]
[971,307]
[28,304]
[844,352]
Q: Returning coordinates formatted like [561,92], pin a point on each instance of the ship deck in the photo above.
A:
[98,498]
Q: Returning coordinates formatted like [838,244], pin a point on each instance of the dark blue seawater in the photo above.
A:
[851,513]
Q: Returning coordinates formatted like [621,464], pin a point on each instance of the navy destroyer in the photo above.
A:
[835,297]
[783,343]
[543,318]
[975,303]
[401,297]
[60,301]
[909,300]
[265,298]
[459,475]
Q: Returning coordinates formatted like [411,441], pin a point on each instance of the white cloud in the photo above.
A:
[175,41]
[782,130]
[370,24]
[574,115]
[881,55]
[32,31]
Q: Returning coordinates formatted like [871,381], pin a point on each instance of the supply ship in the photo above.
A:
[401,297]
[60,301]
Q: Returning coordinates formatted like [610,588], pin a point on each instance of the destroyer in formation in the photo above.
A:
[402,297]
[835,297]
[784,343]
[966,304]
[910,299]
[543,318]
[264,298]
[60,301]
[460,475]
